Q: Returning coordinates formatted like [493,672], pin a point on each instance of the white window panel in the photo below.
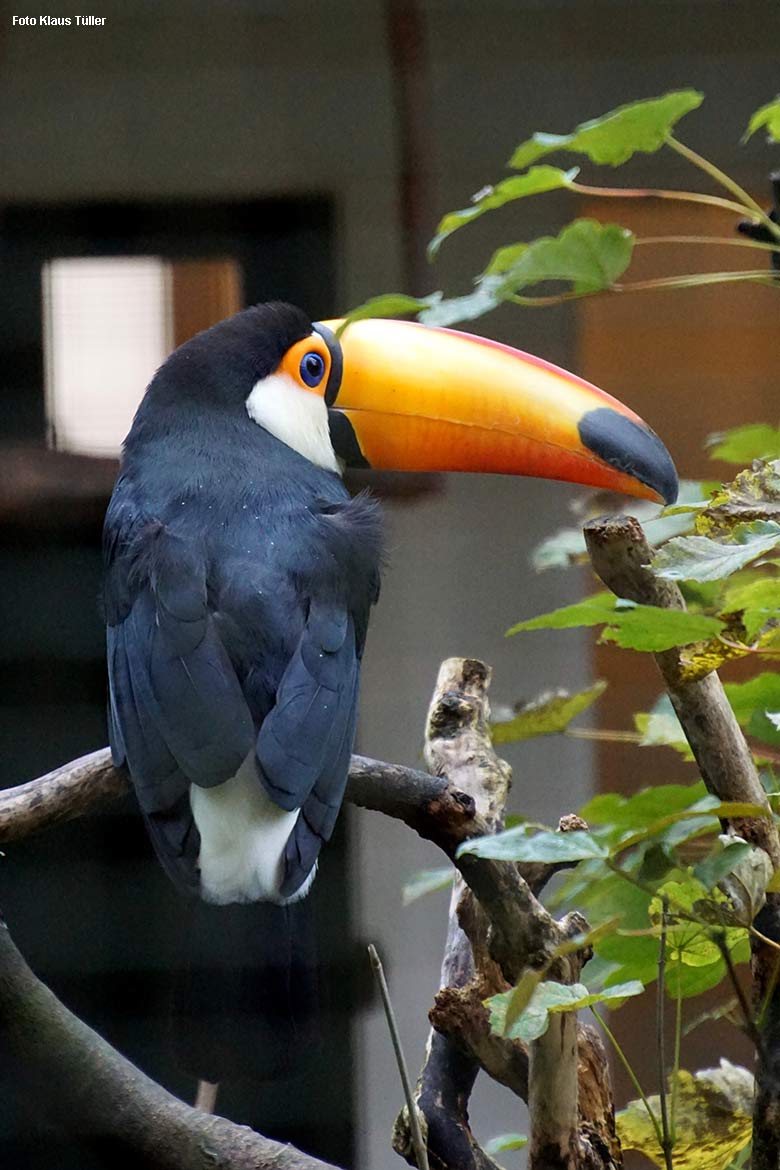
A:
[107,328]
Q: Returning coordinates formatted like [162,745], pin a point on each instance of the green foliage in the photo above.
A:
[551,997]
[635,627]
[712,1119]
[700,558]
[614,137]
[586,255]
[537,181]
[531,843]
[547,715]
[567,546]
[389,305]
[655,864]
[767,118]
[743,444]
[752,700]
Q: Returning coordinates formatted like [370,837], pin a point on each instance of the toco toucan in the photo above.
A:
[240,574]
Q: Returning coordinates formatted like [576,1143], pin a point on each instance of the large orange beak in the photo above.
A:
[414,398]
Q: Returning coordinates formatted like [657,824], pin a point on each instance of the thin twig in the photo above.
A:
[751,1028]
[631,1074]
[414,1119]
[666,1140]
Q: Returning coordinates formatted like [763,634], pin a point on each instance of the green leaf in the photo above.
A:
[751,700]
[724,856]
[713,1119]
[489,293]
[537,181]
[548,997]
[504,1142]
[699,558]
[627,813]
[744,444]
[548,714]
[636,627]
[427,881]
[589,255]
[567,546]
[614,137]
[529,843]
[768,118]
[389,305]
[660,727]
[758,601]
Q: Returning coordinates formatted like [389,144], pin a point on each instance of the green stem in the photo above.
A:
[725,181]
[695,279]
[660,193]
[724,241]
[666,1140]
[676,1068]
[690,280]
[631,1074]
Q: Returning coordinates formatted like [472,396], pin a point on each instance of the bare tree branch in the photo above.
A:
[99,1094]
[621,557]
[492,938]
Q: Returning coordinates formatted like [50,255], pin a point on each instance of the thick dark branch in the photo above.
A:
[78,1076]
[621,557]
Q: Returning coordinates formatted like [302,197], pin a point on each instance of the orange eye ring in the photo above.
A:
[308,364]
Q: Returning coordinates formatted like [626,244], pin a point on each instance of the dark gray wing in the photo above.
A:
[305,742]
[177,713]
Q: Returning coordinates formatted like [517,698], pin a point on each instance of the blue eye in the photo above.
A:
[312,369]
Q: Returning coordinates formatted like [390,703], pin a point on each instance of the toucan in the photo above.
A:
[240,573]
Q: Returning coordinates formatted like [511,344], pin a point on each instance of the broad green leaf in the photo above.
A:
[713,1119]
[699,558]
[626,813]
[537,181]
[691,943]
[751,700]
[427,881]
[504,1142]
[768,118]
[549,714]
[389,305]
[587,254]
[744,444]
[528,843]
[757,600]
[613,138]
[590,256]
[548,997]
[635,627]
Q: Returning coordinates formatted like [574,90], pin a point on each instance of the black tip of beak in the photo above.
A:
[631,448]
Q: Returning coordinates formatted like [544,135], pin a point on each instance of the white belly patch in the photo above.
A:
[242,839]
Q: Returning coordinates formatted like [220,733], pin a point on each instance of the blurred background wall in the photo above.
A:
[309,148]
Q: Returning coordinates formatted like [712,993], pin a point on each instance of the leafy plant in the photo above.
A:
[670,896]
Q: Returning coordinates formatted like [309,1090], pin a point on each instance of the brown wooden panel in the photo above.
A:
[202,293]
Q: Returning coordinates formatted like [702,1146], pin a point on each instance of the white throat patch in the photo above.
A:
[296,416]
